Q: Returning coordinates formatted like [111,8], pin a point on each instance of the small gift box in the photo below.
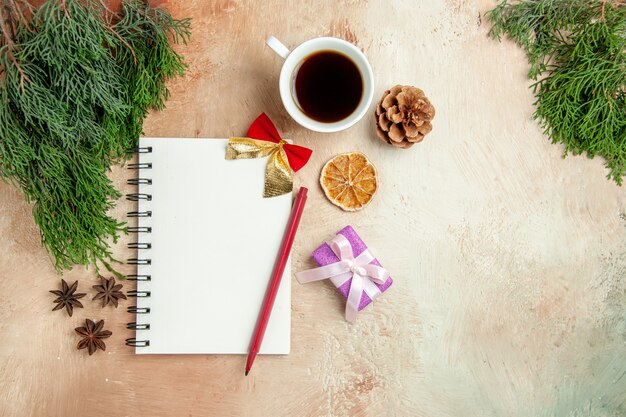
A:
[350,266]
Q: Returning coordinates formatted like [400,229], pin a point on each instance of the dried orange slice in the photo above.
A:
[349,181]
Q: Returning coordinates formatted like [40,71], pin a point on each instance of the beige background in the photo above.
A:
[508,260]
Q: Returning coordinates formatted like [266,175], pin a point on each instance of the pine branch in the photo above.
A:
[577,55]
[117,35]
[77,83]
[9,18]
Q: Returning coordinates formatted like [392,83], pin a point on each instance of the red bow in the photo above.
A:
[263,129]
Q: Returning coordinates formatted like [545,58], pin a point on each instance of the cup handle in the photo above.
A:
[278,47]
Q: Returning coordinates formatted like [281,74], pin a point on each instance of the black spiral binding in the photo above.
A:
[139,244]
[139,196]
[137,343]
[136,277]
[136,261]
[144,165]
[138,310]
[137,181]
[137,326]
[147,213]
[139,229]
[138,294]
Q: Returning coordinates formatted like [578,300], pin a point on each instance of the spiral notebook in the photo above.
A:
[206,243]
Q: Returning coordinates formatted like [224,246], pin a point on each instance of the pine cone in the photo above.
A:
[403,116]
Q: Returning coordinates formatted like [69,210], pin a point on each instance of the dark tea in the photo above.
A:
[327,86]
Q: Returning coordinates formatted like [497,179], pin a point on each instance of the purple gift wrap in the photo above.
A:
[324,255]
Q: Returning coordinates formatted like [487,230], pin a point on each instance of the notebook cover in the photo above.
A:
[214,240]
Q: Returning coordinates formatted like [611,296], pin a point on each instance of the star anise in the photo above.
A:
[92,334]
[108,291]
[67,297]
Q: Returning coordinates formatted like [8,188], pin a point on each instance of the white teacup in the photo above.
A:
[299,54]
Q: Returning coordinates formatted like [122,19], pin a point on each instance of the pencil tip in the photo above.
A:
[247,372]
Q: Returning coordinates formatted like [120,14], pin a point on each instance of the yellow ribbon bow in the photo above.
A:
[278,176]
[284,158]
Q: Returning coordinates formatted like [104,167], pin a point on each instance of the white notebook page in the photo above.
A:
[214,242]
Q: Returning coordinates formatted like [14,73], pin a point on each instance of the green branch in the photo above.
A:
[577,55]
[77,84]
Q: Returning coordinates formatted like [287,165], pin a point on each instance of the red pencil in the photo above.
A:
[277,274]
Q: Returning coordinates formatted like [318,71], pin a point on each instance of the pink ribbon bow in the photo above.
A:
[359,269]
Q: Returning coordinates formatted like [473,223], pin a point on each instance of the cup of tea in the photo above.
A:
[326,84]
